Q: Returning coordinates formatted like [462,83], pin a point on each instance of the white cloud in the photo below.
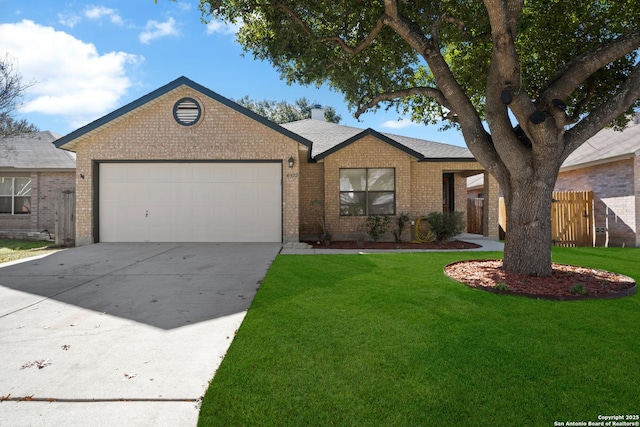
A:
[70,20]
[155,30]
[73,79]
[222,28]
[398,124]
[99,12]
[185,7]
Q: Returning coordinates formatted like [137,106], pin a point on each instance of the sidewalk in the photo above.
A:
[486,243]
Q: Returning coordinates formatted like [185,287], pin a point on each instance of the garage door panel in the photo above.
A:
[191,202]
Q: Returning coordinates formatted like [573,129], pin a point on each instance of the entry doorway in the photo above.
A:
[447,193]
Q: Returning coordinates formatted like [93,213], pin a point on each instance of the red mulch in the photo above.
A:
[487,275]
[453,244]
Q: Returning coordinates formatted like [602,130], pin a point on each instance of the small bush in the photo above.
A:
[578,289]
[501,286]
[445,225]
[377,225]
[317,207]
[401,222]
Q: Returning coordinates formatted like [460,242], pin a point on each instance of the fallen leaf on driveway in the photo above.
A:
[131,375]
[66,347]
[39,363]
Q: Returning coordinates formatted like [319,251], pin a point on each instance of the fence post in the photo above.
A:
[65,227]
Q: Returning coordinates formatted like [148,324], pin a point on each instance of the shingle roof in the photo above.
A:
[35,151]
[69,141]
[330,137]
[606,146]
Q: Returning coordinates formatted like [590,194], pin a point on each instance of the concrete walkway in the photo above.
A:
[485,243]
[121,334]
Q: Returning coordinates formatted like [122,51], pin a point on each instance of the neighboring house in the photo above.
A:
[33,172]
[609,165]
[475,187]
[184,164]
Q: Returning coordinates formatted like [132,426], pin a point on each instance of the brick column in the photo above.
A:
[491,209]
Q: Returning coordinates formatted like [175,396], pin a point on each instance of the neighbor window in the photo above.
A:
[15,195]
[368,191]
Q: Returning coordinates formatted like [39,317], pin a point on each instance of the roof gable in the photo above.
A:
[365,133]
[328,138]
[68,142]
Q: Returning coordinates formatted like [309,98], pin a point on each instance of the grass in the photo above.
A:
[12,250]
[381,340]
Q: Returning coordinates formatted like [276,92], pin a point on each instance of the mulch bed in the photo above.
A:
[488,275]
[453,244]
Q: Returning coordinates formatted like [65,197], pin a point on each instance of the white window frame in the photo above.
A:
[13,195]
[367,191]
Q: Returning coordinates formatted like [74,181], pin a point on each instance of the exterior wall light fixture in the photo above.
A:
[292,161]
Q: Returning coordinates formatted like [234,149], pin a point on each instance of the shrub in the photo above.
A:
[401,221]
[317,207]
[501,286]
[578,289]
[445,225]
[377,225]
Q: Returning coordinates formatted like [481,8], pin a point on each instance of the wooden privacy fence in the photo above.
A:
[66,218]
[571,217]
[474,216]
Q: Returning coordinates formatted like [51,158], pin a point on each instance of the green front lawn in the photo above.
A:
[12,250]
[382,340]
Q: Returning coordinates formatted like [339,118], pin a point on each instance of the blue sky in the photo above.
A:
[88,58]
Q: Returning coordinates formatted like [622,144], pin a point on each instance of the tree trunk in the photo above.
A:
[527,248]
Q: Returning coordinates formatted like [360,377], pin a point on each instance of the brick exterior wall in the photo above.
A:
[151,133]
[311,188]
[418,184]
[616,191]
[45,187]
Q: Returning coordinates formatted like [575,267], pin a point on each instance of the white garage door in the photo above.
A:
[190,202]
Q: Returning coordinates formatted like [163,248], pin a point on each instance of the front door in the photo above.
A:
[447,192]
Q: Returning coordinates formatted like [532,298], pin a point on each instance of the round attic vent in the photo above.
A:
[187,111]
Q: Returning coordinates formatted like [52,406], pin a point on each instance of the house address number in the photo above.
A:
[292,174]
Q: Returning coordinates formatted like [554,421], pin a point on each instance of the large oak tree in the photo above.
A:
[526,82]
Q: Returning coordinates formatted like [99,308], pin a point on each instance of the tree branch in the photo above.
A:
[295,17]
[457,100]
[626,95]
[404,93]
[435,32]
[504,73]
[591,89]
[579,70]
[352,51]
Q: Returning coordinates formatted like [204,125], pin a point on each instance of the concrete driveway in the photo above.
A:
[121,334]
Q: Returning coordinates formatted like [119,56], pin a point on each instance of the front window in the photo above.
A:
[367,191]
[15,196]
